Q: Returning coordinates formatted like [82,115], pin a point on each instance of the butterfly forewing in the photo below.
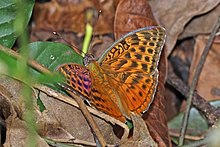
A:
[137,52]
[131,67]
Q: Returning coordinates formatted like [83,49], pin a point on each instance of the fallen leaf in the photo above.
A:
[16,130]
[174,15]
[197,26]
[209,83]
[141,136]
[131,15]
[70,16]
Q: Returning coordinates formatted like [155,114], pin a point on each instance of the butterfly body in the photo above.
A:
[124,79]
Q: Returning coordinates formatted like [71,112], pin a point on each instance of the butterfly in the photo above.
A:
[124,79]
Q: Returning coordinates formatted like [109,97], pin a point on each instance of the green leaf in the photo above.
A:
[40,104]
[197,124]
[8,11]
[8,64]
[51,54]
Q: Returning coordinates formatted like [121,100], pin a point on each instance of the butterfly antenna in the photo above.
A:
[67,42]
[97,18]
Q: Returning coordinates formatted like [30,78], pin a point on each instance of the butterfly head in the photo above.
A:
[87,59]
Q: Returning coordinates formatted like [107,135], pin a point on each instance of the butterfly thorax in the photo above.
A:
[96,69]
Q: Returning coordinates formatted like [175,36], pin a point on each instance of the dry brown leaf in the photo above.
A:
[209,80]
[141,136]
[16,131]
[202,24]
[70,16]
[73,121]
[131,15]
[175,14]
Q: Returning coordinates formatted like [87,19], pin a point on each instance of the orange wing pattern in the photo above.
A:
[130,66]
[79,80]
[136,52]
[125,78]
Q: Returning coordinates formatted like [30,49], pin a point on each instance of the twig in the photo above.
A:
[198,143]
[71,101]
[68,142]
[211,113]
[89,118]
[31,62]
[188,137]
[71,142]
[194,82]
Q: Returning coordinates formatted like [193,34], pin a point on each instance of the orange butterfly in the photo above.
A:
[124,79]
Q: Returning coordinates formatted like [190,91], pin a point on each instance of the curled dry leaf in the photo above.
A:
[174,15]
[138,14]
[16,131]
[209,80]
[141,136]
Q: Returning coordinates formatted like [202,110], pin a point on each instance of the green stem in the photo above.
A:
[23,73]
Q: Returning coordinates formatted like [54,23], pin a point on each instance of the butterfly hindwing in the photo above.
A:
[136,91]
[77,77]
[105,98]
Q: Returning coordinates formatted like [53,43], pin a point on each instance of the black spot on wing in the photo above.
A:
[147,81]
[138,56]
[134,64]
[79,83]
[144,86]
[147,59]
[142,49]
[122,62]
[150,51]
[151,43]
[140,93]
[132,50]
[73,80]
[128,55]
[144,66]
